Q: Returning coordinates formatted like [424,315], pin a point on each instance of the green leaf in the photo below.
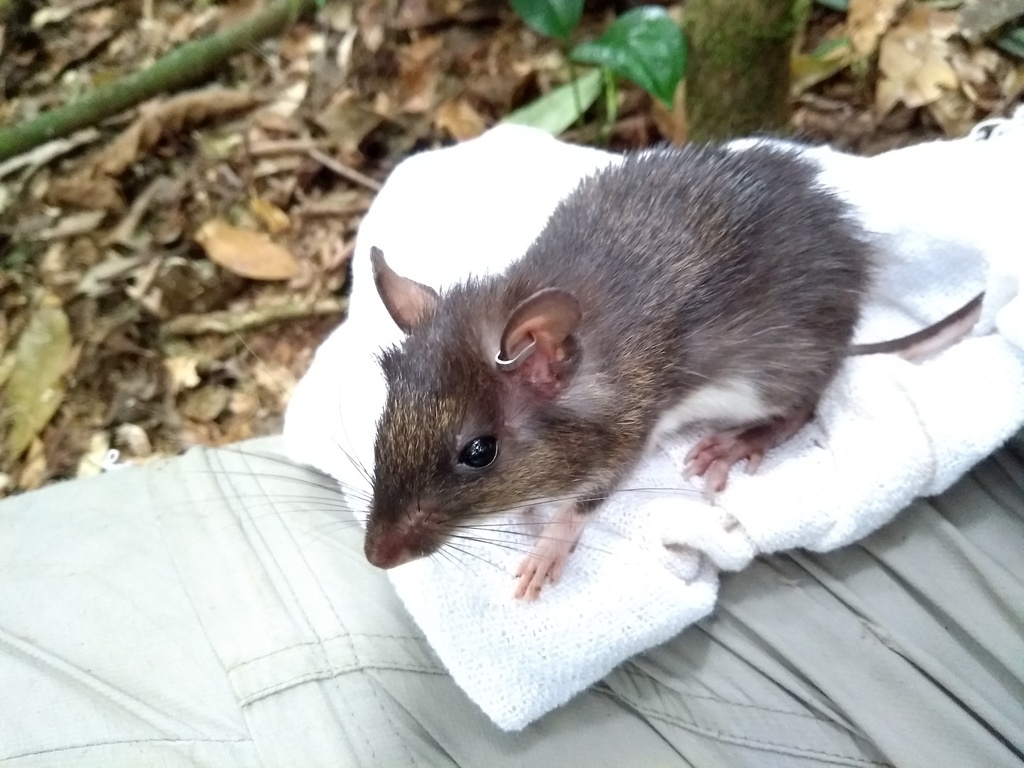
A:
[643,45]
[557,110]
[830,49]
[554,18]
[35,388]
[1013,42]
[827,59]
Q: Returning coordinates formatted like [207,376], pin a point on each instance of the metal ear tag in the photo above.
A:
[515,362]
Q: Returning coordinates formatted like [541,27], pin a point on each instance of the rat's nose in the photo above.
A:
[387,550]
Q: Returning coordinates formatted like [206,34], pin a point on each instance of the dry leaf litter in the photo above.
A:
[166,276]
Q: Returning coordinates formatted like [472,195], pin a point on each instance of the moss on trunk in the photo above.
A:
[738,71]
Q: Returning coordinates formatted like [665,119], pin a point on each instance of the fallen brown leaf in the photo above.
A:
[95,185]
[6,366]
[134,438]
[276,379]
[234,12]
[193,433]
[234,430]
[868,20]
[288,101]
[245,252]
[459,119]
[160,118]
[974,69]
[35,387]
[84,191]
[672,123]
[35,467]
[51,15]
[133,394]
[1011,86]
[348,122]
[954,112]
[372,17]
[160,187]
[91,462]
[337,256]
[415,14]
[913,59]
[244,404]
[274,220]
[419,74]
[339,17]
[207,403]
[182,372]
[71,225]
[191,24]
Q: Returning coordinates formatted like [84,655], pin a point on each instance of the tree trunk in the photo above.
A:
[737,72]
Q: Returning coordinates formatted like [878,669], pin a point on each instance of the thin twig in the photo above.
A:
[318,210]
[283,147]
[232,322]
[46,153]
[343,170]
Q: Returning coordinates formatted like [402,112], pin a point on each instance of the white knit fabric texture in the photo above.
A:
[947,217]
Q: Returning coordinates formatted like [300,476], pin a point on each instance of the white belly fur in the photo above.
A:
[734,401]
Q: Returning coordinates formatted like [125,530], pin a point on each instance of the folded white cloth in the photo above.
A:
[886,432]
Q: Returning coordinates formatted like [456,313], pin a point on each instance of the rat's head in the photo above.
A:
[474,421]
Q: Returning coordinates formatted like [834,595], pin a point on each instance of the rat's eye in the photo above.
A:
[479,452]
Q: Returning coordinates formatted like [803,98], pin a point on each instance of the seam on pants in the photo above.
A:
[183,581]
[293,646]
[746,741]
[747,705]
[127,742]
[335,673]
[252,529]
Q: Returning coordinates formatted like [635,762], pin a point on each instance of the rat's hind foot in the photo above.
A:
[547,560]
[714,456]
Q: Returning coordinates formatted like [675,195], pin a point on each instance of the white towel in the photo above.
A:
[886,432]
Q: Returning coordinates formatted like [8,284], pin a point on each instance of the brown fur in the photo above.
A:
[690,265]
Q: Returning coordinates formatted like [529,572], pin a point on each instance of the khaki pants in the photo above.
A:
[216,610]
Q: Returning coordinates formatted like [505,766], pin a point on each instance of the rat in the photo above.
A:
[678,287]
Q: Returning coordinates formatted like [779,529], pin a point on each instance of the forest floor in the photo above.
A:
[165,276]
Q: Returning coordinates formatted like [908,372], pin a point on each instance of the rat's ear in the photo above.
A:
[409,303]
[546,320]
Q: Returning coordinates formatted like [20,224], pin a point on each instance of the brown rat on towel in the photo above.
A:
[678,287]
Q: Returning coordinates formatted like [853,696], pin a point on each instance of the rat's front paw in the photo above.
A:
[547,560]
[544,564]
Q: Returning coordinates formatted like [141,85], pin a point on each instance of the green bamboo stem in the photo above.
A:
[179,68]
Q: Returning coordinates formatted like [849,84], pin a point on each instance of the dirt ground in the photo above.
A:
[165,276]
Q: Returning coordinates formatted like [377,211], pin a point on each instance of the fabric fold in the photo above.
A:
[886,432]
